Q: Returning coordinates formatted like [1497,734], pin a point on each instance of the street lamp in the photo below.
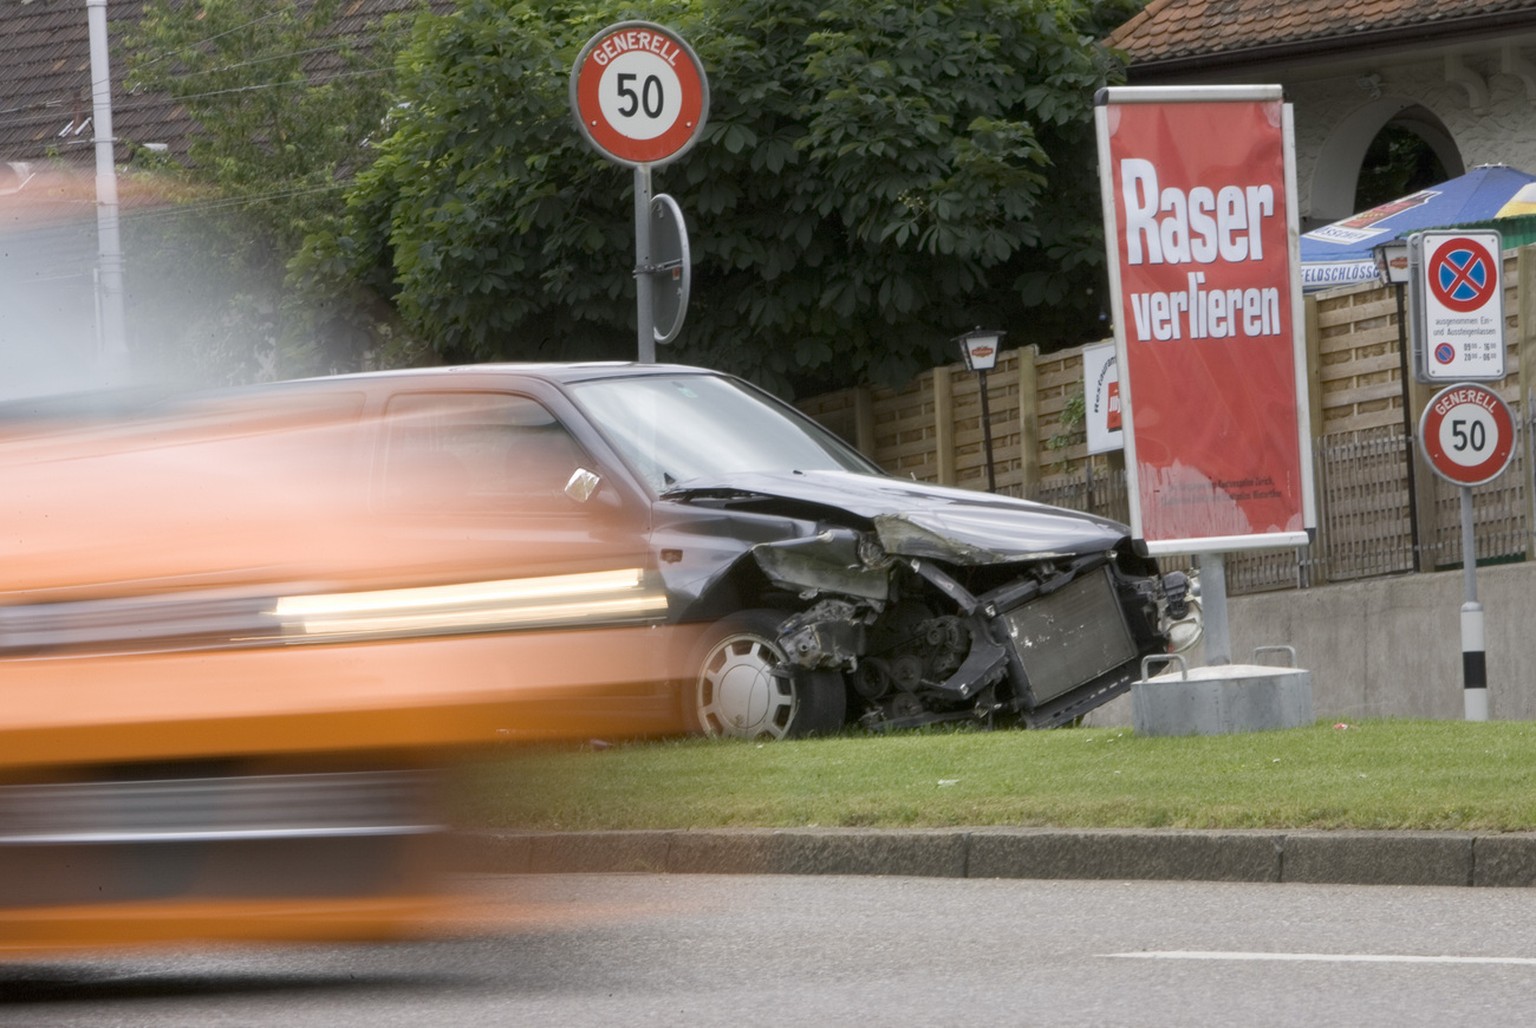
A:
[979,348]
[1391,262]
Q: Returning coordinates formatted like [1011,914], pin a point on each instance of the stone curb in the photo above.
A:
[1341,857]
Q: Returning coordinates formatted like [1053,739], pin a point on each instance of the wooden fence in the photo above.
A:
[1381,511]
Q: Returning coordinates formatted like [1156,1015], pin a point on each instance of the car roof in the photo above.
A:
[474,376]
[551,371]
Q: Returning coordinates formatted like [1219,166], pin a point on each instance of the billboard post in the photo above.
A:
[1199,187]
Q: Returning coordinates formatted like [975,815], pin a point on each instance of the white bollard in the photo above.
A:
[1474,662]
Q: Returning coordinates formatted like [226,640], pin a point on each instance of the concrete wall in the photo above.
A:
[1391,647]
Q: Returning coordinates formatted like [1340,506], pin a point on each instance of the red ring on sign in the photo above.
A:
[1460,275]
[1441,462]
[626,148]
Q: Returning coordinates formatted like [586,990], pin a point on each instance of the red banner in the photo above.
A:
[1198,221]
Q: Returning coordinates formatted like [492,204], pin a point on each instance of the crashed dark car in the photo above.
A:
[823,592]
[833,593]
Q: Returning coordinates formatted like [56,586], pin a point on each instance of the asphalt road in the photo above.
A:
[816,950]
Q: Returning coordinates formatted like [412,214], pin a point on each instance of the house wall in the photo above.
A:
[1342,113]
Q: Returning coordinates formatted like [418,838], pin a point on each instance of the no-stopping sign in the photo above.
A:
[1456,293]
[639,93]
[1467,434]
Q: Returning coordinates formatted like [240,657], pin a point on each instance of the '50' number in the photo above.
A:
[650,97]
[1474,435]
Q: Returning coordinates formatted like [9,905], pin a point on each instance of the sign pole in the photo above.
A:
[645,299]
[1474,658]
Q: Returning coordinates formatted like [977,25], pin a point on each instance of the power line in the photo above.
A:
[256,87]
[321,78]
[48,110]
[263,59]
[212,203]
[194,44]
[168,54]
[83,74]
[226,202]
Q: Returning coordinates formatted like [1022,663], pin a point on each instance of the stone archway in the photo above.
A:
[1337,173]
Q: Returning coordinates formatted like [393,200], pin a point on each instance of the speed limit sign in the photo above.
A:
[639,93]
[1467,434]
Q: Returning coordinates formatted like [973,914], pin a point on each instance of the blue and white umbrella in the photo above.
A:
[1340,254]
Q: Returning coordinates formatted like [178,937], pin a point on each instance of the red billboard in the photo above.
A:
[1200,222]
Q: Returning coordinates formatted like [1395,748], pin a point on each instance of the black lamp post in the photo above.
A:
[979,348]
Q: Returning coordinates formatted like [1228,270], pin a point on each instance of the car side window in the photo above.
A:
[464,451]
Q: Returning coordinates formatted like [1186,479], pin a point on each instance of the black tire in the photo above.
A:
[733,691]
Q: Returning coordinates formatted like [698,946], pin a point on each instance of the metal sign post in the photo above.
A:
[645,306]
[640,97]
[1467,434]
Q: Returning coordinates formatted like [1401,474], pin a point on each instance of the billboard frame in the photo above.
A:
[1302,522]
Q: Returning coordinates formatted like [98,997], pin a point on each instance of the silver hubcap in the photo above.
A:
[738,695]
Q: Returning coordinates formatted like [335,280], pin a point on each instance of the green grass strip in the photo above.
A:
[1390,774]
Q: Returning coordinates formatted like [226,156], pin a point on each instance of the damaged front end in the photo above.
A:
[929,625]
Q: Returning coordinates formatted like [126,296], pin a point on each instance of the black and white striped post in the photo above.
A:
[1474,657]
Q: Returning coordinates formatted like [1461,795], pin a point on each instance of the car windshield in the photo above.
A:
[680,428]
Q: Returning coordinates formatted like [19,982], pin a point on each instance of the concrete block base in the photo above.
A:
[1222,699]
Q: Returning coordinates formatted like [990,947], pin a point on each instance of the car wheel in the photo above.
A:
[740,691]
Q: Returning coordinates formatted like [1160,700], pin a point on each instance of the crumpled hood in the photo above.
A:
[917,519]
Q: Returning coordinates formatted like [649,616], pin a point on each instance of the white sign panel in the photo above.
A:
[1456,291]
[1101,398]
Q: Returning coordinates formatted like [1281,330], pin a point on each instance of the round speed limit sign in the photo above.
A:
[1467,434]
[639,94]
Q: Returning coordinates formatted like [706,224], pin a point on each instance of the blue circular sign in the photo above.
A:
[1445,353]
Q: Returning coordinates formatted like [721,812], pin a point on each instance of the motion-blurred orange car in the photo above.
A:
[240,636]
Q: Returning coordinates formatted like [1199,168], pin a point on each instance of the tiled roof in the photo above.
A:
[45,77]
[45,80]
[1209,30]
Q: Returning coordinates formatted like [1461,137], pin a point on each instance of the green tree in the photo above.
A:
[282,96]
[875,177]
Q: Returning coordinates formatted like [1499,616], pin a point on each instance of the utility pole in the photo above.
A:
[110,319]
